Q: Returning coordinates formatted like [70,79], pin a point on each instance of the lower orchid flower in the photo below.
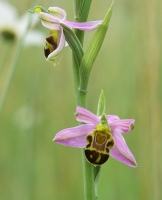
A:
[100,136]
[52,19]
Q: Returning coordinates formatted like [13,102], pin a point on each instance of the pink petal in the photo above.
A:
[75,137]
[85,26]
[51,26]
[84,115]
[112,117]
[116,154]
[121,152]
[57,12]
[49,18]
[122,126]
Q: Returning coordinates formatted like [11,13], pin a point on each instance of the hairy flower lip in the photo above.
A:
[59,45]
[76,137]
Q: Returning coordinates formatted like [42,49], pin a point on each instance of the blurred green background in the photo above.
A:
[41,102]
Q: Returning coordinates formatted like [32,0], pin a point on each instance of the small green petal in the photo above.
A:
[104,120]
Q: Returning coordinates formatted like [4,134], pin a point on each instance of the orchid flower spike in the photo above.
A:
[100,136]
[52,19]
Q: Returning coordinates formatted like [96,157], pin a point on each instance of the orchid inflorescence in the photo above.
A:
[99,135]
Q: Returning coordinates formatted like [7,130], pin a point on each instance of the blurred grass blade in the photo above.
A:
[74,43]
[14,63]
[93,50]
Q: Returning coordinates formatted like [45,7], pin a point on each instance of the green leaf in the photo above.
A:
[93,50]
[97,171]
[101,104]
[74,43]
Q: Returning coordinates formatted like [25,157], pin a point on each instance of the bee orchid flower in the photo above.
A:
[100,136]
[52,20]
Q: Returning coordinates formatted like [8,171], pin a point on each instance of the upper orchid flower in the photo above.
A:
[57,16]
[13,27]
[52,19]
[100,136]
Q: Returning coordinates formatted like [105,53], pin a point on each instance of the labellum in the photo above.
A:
[99,143]
[51,43]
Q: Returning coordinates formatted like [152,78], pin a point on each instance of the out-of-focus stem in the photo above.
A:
[14,64]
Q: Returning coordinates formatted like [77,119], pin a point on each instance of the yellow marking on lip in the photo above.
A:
[98,159]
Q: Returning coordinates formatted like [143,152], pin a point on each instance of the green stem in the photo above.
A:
[88,174]
[81,11]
